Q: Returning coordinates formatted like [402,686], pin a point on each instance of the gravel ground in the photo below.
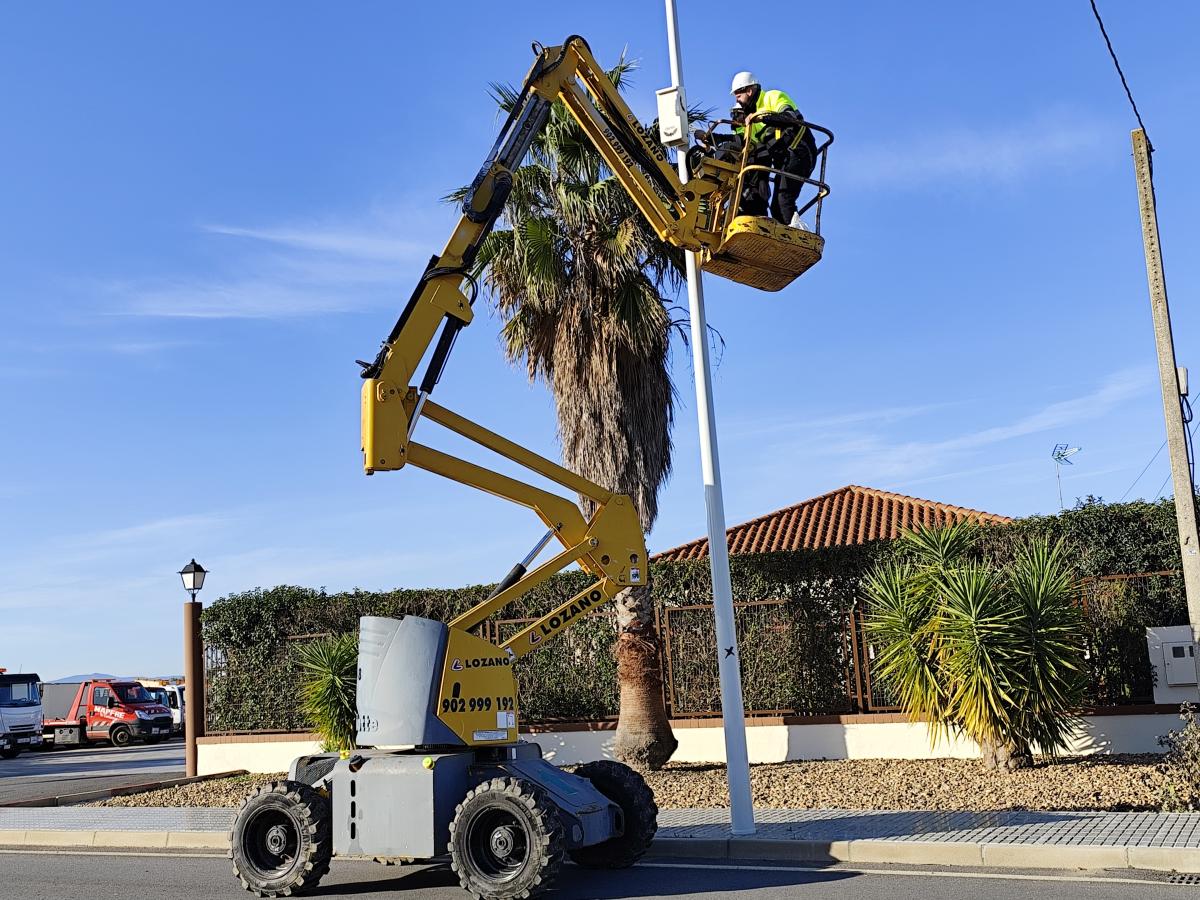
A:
[1119,782]
[1124,782]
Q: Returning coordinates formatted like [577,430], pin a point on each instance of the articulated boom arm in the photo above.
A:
[610,546]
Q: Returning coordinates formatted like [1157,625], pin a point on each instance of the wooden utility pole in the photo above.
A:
[1168,374]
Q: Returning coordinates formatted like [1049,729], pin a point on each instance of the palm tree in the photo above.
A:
[581,284]
[992,653]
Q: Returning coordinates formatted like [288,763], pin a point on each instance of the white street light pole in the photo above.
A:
[728,664]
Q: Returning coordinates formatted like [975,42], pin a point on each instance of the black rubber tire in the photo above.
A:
[506,840]
[282,839]
[120,736]
[628,790]
[10,753]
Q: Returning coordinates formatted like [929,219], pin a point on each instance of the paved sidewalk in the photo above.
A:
[1162,841]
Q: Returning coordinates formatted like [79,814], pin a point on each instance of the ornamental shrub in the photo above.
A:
[328,669]
[1181,764]
[993,653]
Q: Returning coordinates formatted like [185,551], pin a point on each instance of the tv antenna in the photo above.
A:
[1061,454]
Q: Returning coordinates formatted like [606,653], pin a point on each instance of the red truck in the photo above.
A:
[96,710]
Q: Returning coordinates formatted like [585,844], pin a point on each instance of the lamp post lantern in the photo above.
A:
[193,577]
[193,665]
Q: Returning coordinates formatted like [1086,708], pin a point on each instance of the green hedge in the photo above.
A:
[794,659]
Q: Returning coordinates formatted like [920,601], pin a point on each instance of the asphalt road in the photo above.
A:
[48,773]
[57,875]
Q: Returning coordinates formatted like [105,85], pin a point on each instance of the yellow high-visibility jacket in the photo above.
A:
[769,101]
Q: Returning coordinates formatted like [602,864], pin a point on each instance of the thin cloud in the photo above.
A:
[144,348]
[876,456]
[21,372]
[357,244]
[757,428]
[1116,389]
[68,566]
[289,271]
[252,298]
[974,471]
[1005,155]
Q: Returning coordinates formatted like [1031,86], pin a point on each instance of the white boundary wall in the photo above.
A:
[766,743]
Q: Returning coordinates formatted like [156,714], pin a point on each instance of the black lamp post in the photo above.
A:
[193,665]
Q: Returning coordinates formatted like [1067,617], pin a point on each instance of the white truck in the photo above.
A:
[170,696]
[20,713]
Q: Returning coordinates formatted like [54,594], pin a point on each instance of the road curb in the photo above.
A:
[916,853]
[113,840]
[934,853]
[122,791]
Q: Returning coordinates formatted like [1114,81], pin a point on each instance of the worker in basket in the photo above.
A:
[780,140]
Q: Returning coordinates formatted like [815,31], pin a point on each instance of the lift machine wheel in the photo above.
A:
[280,843]
[506,840]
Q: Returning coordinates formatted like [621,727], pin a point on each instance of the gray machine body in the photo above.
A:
[400,802]
[396,803]
[400,663]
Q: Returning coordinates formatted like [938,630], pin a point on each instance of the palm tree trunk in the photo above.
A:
[1005,757]
[644,736]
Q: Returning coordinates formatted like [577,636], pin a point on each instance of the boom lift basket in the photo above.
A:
[756,250]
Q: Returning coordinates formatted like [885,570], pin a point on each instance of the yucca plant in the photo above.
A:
[994,654]
[328,670]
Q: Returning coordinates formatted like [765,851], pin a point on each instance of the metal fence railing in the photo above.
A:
[808,658]
[247,690]
[793,661]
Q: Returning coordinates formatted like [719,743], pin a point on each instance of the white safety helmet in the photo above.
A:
[742,80]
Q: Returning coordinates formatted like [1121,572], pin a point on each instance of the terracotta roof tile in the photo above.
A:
[849,515]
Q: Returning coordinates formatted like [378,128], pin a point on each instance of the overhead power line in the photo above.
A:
[1124,83]
[1143,472]
[1158,493]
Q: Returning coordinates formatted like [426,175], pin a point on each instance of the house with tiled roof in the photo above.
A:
[849,515]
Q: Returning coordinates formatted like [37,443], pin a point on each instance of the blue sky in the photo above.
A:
[209,212]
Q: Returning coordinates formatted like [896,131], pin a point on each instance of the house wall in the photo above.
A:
[767,741]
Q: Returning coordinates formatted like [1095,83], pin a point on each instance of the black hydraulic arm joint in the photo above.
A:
[515,574]
[441,353]
[372,369]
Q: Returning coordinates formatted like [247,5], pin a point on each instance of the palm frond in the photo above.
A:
[980,642]
[902,622]
[328,686]
[940,546]
[1052,668]
[584,289]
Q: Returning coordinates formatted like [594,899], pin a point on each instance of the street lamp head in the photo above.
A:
[193,577]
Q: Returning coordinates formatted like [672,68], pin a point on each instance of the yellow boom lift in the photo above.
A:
[440,766]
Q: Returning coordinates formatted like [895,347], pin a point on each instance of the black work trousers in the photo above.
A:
[757,197]
[798,162]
